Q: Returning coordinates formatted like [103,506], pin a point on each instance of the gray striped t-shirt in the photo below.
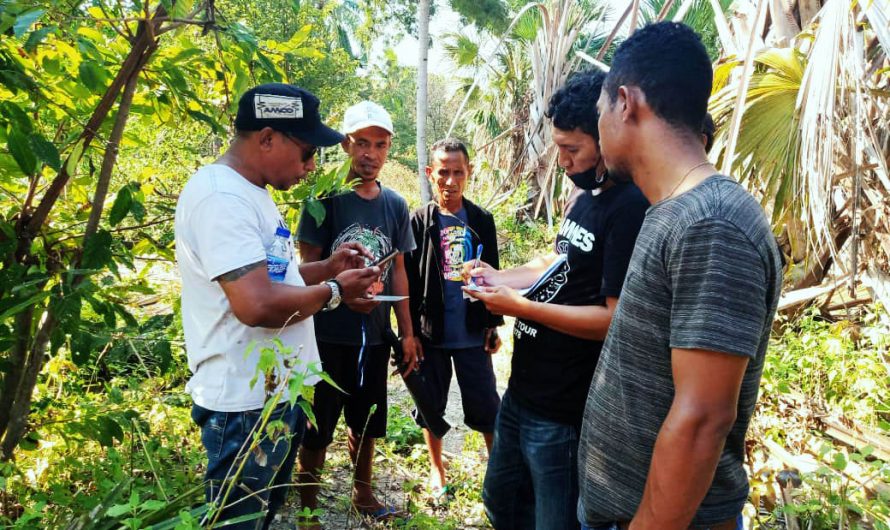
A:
[705,274]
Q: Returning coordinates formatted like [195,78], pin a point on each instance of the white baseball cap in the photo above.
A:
[366,114]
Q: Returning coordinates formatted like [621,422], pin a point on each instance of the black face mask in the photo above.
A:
[589,180]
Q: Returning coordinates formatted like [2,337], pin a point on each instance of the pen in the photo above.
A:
[476,263]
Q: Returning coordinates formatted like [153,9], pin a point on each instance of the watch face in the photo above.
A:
[335,295]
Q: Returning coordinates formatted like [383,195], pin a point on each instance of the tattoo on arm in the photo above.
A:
[239,272]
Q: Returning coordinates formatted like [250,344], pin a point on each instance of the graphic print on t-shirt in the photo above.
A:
[456,249]
[551,286]
[374,240]
[559,276]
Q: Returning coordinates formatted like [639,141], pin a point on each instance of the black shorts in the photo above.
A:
[341,363]
[475,377]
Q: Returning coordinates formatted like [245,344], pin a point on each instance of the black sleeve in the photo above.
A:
[621,235]
[413,263]
[490,255]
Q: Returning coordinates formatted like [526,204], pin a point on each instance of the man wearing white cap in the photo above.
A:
[350,340]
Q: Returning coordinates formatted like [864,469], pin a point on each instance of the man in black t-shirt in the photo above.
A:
[561,321]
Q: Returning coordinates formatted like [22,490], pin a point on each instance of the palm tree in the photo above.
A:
[813,138]
[543,39]
[423,26]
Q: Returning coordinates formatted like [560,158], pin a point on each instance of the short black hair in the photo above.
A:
[708,128]
[573,106]
[668,62]
[450,145]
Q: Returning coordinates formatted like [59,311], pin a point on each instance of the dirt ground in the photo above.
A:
[395,484]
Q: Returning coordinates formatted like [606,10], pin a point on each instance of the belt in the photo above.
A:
[729,524]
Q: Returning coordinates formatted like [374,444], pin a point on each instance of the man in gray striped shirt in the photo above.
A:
[662,441]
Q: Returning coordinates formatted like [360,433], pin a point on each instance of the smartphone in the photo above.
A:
[492,340]
[385,259]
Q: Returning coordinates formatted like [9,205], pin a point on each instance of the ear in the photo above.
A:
[264,138]
[429,172]
[633,103]
[345,144]
[469,170]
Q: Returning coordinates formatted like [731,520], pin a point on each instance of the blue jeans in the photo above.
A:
[739,525]
[532,476]
[267,470]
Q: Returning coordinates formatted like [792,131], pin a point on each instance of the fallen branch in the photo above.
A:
[801,296]
[856,436]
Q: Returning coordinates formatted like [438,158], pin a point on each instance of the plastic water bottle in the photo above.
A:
[278,255]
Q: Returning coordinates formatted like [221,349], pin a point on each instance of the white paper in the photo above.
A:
[388,298]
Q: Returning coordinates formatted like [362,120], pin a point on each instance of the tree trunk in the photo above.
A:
[143,40]
[28,356]
[423,30]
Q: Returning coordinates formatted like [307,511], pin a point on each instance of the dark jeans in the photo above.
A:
[532,476]
[267,471]
[739,524]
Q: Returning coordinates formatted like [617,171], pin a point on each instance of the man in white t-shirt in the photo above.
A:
[229,237]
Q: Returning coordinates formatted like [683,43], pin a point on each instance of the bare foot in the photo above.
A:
[365,502]
[437,477]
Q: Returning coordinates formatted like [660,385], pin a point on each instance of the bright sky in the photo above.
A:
[447,21]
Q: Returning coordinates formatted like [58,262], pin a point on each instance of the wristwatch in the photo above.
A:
[335,295]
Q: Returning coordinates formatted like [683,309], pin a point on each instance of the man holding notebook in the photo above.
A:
[561,321]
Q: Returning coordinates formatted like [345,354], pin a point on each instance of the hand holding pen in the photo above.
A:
[472,280]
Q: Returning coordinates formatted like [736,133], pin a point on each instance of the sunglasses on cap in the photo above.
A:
[309,151]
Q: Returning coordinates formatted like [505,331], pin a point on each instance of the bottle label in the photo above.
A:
[277,268]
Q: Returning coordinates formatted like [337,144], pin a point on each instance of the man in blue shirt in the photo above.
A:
[448,232]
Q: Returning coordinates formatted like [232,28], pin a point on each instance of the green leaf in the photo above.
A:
[268,360]
[839,462]
[46,151]
[107,432]
[138,211]
[121,206]
[17,117]
[21,306]
[200,116]
[83,345]
[24,21]
[240,519]
[30,442]
[20,149]
[97,250]
[164,355]
[297,39]
[37,36]
[74,158]
[128,318]
[16,80]
[91,75]
[316,210]
[152,505]
[118,509]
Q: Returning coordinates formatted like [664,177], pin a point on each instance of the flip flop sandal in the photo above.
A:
[384,513]
[443,495]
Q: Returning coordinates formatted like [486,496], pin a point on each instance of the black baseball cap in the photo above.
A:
[288,109]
